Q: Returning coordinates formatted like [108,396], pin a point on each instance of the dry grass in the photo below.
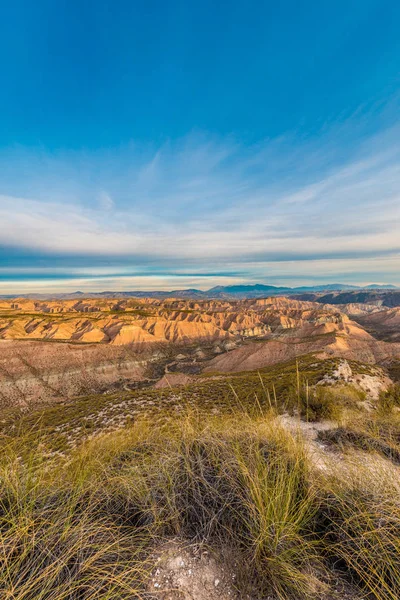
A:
[57,542]
[377,431]
[82,526]
[361,514]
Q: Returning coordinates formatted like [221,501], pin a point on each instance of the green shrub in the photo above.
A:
[390,398]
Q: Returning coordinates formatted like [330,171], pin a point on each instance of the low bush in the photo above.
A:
[390,398]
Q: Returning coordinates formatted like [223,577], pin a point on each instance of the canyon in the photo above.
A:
[62,348]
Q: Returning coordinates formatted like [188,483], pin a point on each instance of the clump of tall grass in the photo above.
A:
[361,509]
[244,484]
[319,402]
[376,431]
[82,526]
[389,399]
[57,542]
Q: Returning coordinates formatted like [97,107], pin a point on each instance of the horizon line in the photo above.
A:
[250,286]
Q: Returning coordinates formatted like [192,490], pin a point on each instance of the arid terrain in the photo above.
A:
[57,349]
[230,449]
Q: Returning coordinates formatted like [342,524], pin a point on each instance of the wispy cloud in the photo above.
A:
[201,204]
[105,201]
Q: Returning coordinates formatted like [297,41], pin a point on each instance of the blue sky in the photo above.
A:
[148,145]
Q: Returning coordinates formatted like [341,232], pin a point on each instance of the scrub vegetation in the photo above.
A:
[84,523]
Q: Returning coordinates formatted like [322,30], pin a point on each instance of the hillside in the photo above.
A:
[145,321]
[241,487]
[380,297]
[174,449]
[63,348]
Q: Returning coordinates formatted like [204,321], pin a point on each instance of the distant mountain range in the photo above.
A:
[229,292]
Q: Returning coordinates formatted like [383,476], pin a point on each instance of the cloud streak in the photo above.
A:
[206,204]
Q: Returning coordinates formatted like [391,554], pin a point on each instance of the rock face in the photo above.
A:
[383,324]
[371,383]
[32,372]
[301,329]
[67,347]
[255,356]
[140,322]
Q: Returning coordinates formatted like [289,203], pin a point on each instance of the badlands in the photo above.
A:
[57,349]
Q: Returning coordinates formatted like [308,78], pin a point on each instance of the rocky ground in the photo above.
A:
[190,572]
[187,571]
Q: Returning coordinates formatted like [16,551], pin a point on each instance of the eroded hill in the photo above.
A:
[64,348]
[140,322]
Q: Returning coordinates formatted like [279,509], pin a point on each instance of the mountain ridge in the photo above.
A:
[222,292]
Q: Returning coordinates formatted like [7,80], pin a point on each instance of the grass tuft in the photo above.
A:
[83,526]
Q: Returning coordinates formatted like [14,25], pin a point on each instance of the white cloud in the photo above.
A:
[105,201]
[206,203]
